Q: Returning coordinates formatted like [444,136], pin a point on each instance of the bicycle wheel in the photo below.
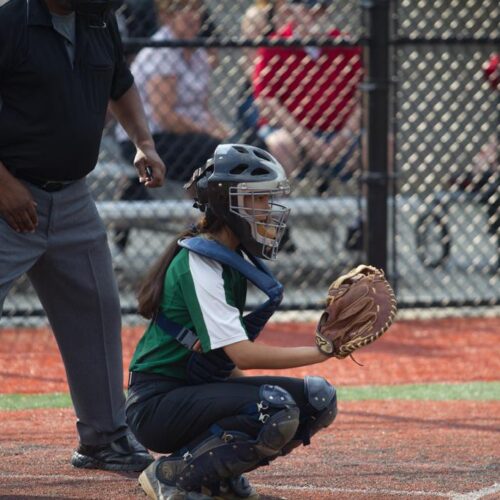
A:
[433,239]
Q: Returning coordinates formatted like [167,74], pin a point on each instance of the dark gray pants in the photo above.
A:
[69,264]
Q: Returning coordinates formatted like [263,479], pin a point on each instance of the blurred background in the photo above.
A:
[385,115]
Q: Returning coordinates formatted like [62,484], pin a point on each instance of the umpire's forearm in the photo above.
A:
[129,111]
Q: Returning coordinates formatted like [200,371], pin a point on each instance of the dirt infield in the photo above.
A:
[375,449]
[446,350]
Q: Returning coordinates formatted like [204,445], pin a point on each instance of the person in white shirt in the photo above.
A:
[174,87]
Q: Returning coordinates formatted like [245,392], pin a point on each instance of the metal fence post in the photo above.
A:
[376,123]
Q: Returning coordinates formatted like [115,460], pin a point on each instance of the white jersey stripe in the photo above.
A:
[222,320]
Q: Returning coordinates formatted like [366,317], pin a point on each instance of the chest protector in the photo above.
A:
[215,366]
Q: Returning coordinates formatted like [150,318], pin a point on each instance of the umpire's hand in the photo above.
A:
[149,165]
[17,206]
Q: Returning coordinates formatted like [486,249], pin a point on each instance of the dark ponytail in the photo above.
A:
[151,288]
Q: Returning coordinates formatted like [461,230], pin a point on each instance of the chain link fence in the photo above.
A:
[287,76]
[446,135]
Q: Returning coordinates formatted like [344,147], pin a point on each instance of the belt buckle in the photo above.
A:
[52,186]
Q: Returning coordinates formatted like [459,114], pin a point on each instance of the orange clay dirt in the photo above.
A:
[375,449]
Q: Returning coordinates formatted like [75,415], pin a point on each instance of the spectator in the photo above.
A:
[258,21]
[49,225]
[482,178]
[174,85]
[209,31]
[140,17]
[491,71]
[308,96]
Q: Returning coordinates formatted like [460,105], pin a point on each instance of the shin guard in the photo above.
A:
[228,454]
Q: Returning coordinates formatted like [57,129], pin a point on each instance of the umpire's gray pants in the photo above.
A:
[69,264]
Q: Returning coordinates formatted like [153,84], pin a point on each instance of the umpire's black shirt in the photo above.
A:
[52,116]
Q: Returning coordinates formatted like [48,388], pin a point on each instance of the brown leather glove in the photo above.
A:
[360,307]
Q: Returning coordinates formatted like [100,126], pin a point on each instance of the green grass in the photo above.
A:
[31,401]
[473,391]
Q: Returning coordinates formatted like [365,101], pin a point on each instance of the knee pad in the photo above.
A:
[321,403]
[280,416]
[227,454]
[319,412]
[322,400]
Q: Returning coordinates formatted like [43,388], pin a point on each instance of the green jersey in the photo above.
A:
[203,295]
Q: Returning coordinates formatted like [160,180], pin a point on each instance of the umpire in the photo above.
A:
[61,62]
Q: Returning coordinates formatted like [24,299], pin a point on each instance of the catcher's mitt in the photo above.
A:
[360,307]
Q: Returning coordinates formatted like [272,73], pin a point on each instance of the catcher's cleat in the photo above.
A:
[160,489]
[236,488]
[123,454]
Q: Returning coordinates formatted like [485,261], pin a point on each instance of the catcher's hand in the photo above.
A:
[360,307]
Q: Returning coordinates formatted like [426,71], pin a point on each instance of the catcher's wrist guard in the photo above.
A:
[360,307]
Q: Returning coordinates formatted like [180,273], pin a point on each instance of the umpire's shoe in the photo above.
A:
[123,454]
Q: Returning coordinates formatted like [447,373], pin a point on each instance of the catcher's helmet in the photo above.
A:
[229,185]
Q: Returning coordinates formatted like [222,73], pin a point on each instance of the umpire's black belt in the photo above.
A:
[44,184]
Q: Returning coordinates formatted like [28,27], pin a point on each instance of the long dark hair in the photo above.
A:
[151,287]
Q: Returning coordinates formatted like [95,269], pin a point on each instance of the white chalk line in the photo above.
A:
[476,495]
[453,495]
[66,477]
[473,495]
[326,489]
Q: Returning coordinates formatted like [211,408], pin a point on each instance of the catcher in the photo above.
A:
[187,396]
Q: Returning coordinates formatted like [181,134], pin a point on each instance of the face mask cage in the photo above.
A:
[267,221]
